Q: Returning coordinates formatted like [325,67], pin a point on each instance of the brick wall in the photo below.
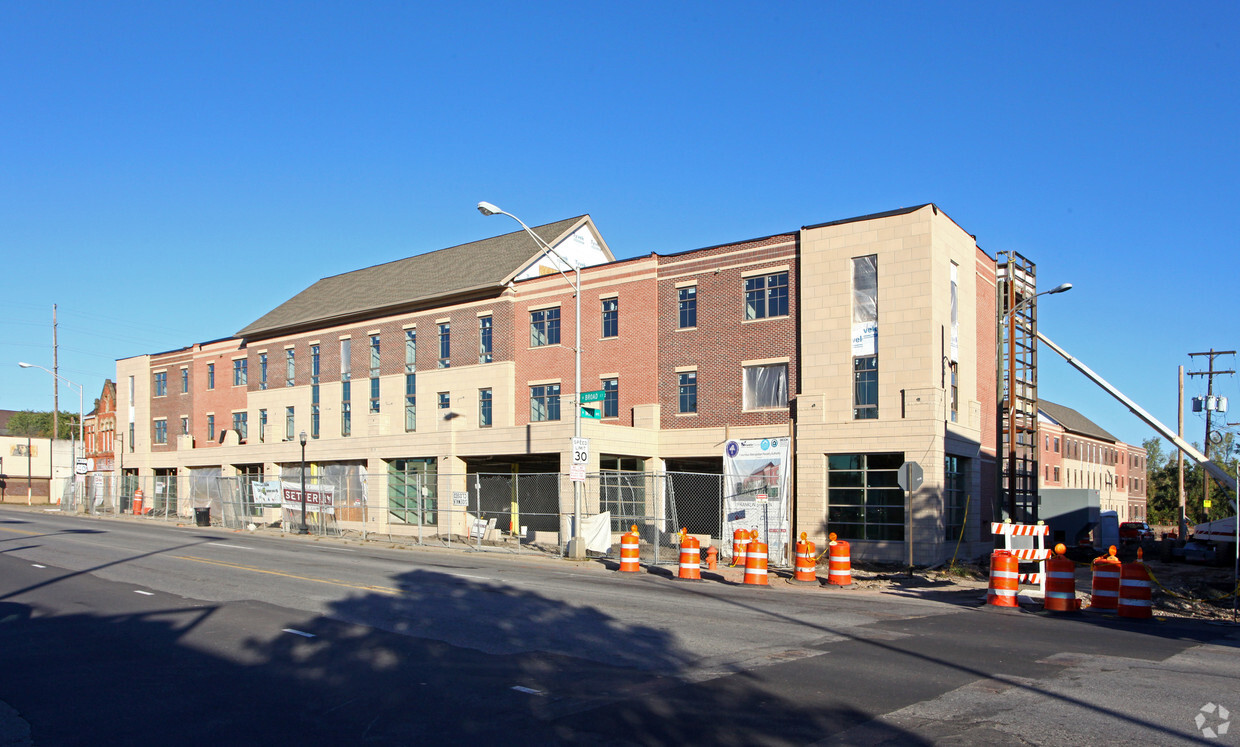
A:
[722,338]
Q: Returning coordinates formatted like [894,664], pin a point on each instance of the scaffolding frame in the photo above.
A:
[1017,388]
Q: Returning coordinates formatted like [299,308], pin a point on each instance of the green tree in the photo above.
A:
[1163,493]
[39,424]
[1156,455]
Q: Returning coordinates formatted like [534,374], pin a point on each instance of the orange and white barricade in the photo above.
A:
[1036,554]
[839,563]
[1004,579]
[690,557]
[1061,583]
[806,566]
[1135,590]
[755,563]
[740,541]
[1104,589]
[630,551]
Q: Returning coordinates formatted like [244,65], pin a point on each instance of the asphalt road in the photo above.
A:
[122,632]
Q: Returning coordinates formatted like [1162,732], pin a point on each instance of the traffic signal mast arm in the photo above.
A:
[1215,470]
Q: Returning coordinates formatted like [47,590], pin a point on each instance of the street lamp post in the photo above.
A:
[576,549]
[303,529]
[1011,456]
[56,417]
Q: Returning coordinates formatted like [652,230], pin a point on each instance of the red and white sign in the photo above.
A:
[319,498]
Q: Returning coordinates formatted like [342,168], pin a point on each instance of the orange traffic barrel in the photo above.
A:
[1004,579]
[1061,583]
[630,551]
[740,541]
[839,563]
[755,563]
[806,567]
[137,502]
[690,557]
[1134,591]
[1104,591]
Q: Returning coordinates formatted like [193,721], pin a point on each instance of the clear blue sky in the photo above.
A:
[171,171]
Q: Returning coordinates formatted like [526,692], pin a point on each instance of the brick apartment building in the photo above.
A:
[864,342]
[1078,454]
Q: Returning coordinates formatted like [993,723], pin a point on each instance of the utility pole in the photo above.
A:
[1210,373]
[1183,535]
[55,383]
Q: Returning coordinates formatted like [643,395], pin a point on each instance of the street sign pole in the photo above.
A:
[910,478]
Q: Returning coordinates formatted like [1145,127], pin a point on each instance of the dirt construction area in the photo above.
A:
[1184,590]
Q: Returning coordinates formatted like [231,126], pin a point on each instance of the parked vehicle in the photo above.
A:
[1194,551]
[1135,531]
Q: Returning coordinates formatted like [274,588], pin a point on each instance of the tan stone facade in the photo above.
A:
[915,253]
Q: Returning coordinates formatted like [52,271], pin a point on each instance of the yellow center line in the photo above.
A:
[330,581]
[19,531]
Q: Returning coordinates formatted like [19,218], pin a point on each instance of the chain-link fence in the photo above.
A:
[500,512]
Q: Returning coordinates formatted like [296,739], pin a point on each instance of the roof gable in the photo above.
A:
[476,268]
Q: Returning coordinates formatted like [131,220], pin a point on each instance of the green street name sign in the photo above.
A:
[598,395]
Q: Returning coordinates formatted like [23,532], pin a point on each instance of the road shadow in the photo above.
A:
[432,657]
[435,658]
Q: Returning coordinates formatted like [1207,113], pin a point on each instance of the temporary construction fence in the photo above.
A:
[512,512]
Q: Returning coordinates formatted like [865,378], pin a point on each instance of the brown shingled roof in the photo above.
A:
[1073,421]
[411,282]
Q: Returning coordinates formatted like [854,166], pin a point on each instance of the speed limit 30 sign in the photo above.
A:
[581,457]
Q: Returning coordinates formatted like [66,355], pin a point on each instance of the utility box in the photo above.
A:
[1072,514]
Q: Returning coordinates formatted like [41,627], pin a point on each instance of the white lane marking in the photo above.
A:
[235,547]
[36,565]
[144,593]
[466,575]
[526,690]
[301,633]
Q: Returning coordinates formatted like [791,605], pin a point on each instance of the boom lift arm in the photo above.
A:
[1215,470]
